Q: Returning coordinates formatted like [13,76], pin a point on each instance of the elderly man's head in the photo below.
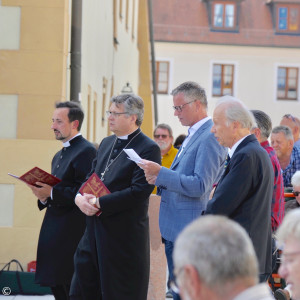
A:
[163,136]
[293,123]
[282,141]
[213,257]
[232,121]
[288,235]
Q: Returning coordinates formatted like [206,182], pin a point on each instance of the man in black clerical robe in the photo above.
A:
[112,259]
[63,224]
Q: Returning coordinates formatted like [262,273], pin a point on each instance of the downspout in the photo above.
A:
[75,59]
[152,60]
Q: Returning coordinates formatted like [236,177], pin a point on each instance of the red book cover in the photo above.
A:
[36,174]
[96,187]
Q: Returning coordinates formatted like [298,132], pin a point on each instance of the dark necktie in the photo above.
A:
[227,161]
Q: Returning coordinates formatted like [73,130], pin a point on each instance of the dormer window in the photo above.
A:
[288,18]
[285,17]
[224,15]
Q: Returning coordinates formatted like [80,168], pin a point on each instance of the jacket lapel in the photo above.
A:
[194,138]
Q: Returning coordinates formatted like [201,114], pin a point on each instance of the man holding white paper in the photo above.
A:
[198,165]
[112,259]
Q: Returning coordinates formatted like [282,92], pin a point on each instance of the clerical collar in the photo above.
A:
[125,137]
[67,143]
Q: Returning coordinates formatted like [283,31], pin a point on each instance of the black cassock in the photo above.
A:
[112,261]
[63,224]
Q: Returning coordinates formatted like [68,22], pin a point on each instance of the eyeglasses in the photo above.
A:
[180,107]
[115,114]
[163,136]
[289,116]
[296,193]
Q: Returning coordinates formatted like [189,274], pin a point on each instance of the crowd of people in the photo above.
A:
[222,202]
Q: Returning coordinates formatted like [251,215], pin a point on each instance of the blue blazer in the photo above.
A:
[187,184]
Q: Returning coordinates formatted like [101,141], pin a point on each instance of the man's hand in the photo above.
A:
[42,192]
[84,204]
[151,170]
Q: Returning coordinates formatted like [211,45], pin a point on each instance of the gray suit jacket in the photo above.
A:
[187,184]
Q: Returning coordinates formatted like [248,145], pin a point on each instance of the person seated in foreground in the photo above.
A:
[214,259]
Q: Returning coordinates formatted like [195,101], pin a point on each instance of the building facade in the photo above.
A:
[245,48]
[35,45]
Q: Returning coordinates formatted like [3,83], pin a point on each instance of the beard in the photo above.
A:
[162,145]
[58,135]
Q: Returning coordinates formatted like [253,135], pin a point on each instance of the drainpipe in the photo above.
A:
[152,60]
[75,59]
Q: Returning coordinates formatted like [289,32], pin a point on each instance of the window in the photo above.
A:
[288,19]
[162,77]
[222,79]
[224,15]
[287,83]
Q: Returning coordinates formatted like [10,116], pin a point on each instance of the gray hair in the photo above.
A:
[295,122]
[192,91]
[285,130]
[220,250]
[133,105]
[290,226]
[263,122]
[296,179]
[164,126]
[236,111]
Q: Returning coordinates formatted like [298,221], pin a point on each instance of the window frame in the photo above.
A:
[223,27]
[289,6]
[233,80]
[157,63]
[286,97]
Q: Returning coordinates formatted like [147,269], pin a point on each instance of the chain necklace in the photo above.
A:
[113,160]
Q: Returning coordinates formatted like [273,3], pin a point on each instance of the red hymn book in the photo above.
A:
[96,187]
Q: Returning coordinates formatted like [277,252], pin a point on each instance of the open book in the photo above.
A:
[37,175]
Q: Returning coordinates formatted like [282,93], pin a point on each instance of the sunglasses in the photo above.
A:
[296,193]
[163,136]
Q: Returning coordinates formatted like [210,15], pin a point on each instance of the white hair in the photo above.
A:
[290,226]
[235,110]
[296,179]
[220,250]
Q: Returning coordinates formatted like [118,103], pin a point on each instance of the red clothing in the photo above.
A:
[277,209]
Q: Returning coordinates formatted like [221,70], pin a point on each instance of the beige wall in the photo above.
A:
[19,237]
[37,70]
[102,60]
[255,80]
[32,79]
